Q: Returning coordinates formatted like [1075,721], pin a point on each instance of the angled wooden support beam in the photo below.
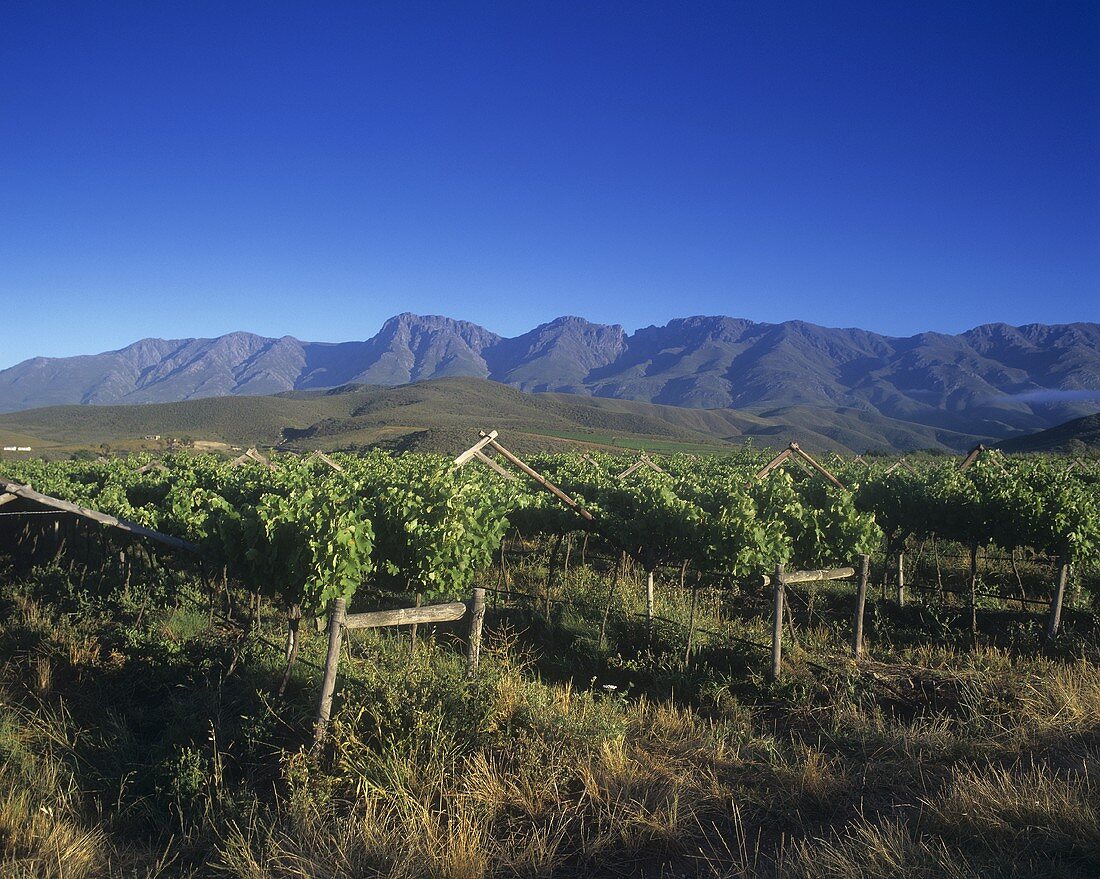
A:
[901,462]
[809,459]
[252,456]
[803,466]
[493,465]
[318,455]
[538,477]
[53,503]
[971,457]
[152,465]
[649,462]
[7,497]
[255,455]
[977,452]
[772,464]
[471,452]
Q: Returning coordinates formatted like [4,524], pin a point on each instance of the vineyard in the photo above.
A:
[634,609]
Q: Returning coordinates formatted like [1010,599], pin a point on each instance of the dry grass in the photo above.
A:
[884,849]
[1036,810]
[929,761]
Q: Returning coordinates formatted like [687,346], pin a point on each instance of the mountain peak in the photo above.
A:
[972,382]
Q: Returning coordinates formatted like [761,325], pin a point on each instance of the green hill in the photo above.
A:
[1076,436]
[446,414]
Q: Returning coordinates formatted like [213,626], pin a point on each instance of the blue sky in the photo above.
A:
[182,169]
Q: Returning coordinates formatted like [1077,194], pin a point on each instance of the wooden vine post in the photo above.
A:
[691,620]
[477,621]
[293,641]
[339,619]
[337,616]
[777,625]
[1054,621]
[779,581]
[861,603]
[649,605]
[901,578]
[619,573]
[974,589]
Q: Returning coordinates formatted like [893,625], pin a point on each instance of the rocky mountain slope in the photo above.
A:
[994,380]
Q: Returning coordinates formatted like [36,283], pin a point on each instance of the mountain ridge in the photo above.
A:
[992,380]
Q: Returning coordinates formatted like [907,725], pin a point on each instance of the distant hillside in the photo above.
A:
[1079,434]
[445,415]
[993,381]
[233,420]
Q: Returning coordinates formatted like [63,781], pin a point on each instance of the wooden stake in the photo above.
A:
[477,620]
[901,578]
[27,493]
[471,452]
[412,628]
[293,619]
[337,613]
[620,570]
[772,464]
[861,603]
[691,622]
[777,625]
[794,447]
[1054,622]
[939,571]
[493,465]
[649,604]
[974,590]
[539,478]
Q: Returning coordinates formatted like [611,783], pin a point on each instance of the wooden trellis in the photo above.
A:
[901,462]
[643,461]
[340,620]
[252,456]
[489,439]
[974,454]
[11,492]
[318,455]
[795,452]
[781,579]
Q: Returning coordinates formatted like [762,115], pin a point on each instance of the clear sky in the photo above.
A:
[191,168]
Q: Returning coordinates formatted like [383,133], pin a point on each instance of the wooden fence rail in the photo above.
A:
[339,620]
[781,579]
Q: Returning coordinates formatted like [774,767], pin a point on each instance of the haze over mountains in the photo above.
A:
[994,380]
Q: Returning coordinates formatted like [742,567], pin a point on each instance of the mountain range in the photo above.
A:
[992,381]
